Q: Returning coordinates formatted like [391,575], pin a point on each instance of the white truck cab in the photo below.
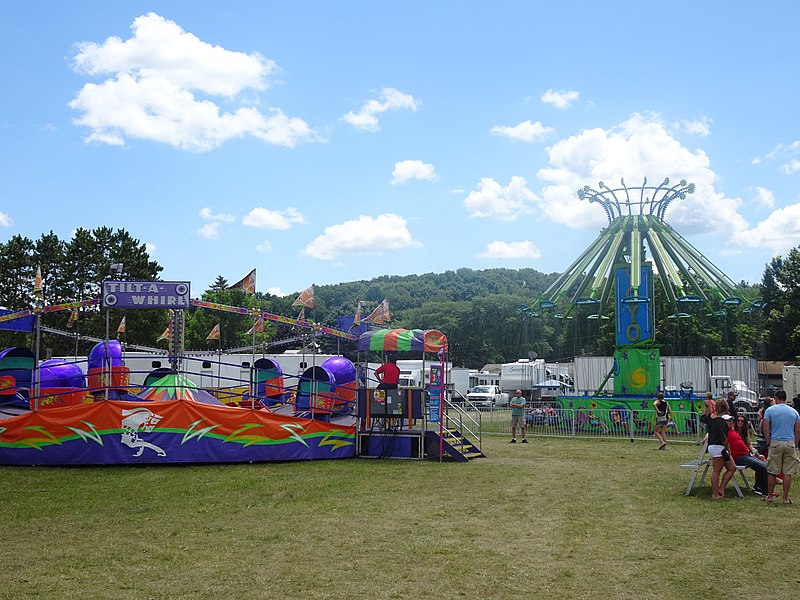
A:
[487,396]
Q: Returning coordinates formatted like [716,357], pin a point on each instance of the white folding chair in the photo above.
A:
[704,461]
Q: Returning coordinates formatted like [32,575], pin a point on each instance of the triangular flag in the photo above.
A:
[73,317]
[247,283]
[37,284]
[306,298]
[122,327]
[257,327]
[380,315]
[301,316]
[167,333]
[213,334]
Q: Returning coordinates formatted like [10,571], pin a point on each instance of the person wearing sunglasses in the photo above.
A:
[742,452]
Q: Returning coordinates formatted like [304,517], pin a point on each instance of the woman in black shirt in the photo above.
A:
[718,449]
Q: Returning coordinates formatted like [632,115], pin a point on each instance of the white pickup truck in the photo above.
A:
[487,396]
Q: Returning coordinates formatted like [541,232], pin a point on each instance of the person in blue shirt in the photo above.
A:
[781,426]
[518,416]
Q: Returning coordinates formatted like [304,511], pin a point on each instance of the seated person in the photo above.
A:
[536,416]
[388,374]
[743,454]
[595,422]
[641,424]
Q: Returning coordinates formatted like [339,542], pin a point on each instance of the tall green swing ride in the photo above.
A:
[617,263]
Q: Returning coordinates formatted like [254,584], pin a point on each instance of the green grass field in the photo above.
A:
[552,519]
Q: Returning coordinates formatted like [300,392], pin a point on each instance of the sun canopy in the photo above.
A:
[400,340]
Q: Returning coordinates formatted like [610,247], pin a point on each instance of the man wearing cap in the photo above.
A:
[731,404]
[781,425]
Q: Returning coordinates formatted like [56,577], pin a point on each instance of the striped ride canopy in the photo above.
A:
[399,340]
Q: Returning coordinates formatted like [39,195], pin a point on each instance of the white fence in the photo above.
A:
[602,423]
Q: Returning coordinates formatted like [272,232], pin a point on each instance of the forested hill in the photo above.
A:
[413,291]
[478,310]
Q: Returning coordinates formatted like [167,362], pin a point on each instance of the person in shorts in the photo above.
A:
[518,417]
[781,426]
[718,449]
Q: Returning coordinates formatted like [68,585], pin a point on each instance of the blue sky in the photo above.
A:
[323,142]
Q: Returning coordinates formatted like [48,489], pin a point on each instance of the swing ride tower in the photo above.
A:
[620,264]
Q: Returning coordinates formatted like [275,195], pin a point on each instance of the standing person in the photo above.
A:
[718,449]
[388,374]
[518,417]
[663,413]
[761,445]
[781,432]
[732,411]
[743,454]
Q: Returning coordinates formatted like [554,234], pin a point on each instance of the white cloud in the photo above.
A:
[560,99]
[793,166]
[364,235]
[637,148]
[209,231]
[700,127]
[151,248]
[5,220]
[511,250]
[392,99]
[263,218]
[492,200]
[525,131]
[208,215]
[779,232]
[790,153]
[158,87]
[276,291]
[764,197]
[413,169]
[265,246]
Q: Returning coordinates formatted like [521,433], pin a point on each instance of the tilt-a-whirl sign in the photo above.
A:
[146,294]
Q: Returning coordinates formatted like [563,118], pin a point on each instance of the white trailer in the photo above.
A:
[412,375]
[791,381]
[522,375]
[681,373]
[738,368]
[477,377]
[459,379]
[590,372]
[562,372]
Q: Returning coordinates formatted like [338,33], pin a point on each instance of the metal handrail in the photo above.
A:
[469,427]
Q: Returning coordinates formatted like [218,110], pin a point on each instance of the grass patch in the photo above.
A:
[558,518]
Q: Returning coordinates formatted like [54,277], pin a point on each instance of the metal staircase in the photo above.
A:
[460,433]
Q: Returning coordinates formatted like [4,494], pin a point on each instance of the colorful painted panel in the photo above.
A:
[637,371]
[166,432]
[634,307]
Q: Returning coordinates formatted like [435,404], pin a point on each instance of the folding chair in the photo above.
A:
[705,462]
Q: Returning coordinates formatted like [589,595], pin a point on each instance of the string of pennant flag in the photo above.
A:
[381,315]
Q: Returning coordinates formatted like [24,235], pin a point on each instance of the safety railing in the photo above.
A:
[618,423]
[464,417]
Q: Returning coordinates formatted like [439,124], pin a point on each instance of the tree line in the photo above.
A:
[489,316]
